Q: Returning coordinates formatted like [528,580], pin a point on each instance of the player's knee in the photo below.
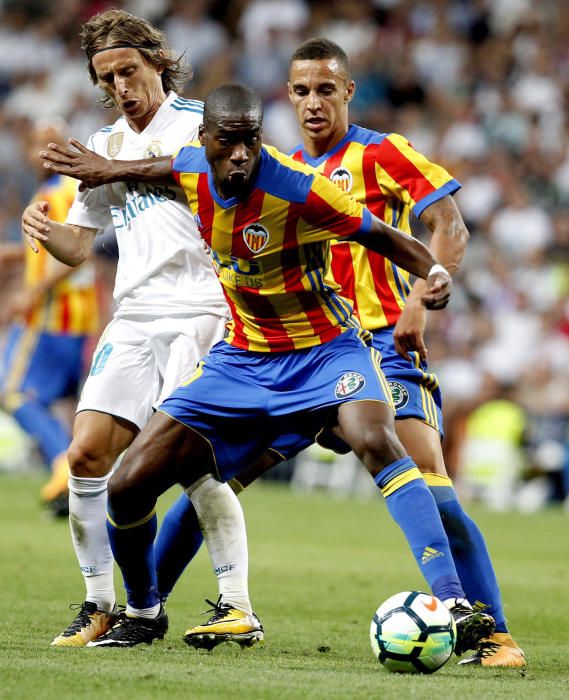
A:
[87,459]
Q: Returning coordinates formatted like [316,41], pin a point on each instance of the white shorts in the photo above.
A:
[139,363]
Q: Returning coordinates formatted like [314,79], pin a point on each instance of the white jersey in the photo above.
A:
[163,267]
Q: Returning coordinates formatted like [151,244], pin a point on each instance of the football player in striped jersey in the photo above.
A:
[393,180]
[294,358]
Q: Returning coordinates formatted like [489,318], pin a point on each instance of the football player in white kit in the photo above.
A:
[169,304]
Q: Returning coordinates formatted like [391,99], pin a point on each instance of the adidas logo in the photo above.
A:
[429,554]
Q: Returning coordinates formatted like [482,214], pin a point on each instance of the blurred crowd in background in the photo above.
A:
[480,86]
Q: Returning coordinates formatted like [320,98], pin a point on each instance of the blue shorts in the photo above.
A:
[46,366]
[415,390]
[244,402]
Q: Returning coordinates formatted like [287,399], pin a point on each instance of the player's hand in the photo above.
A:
[408,335]
[439,285]
[35,224]
[81,163]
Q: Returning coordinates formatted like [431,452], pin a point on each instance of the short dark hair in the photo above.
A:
[120,28]
[231,99]
[318,49]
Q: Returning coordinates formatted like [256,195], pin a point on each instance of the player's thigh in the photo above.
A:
[98,440]
[423,444]
[123,379]
[180,352]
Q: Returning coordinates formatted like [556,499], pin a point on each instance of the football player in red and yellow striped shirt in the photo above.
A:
[386,174]
[293,358]
[53,315]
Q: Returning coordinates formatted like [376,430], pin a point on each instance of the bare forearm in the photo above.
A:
[70,245]
[406,252]
[449,234]
[94,170]
[147,170]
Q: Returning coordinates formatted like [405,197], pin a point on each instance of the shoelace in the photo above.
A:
[460,609]
[487,648]
[218,609]
[83,618]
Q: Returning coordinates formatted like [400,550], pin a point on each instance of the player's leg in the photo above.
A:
[180,537]
[368,427]
[467,543]
[164,453]
[34,373]
[179,347]
[115,403]
[98,440]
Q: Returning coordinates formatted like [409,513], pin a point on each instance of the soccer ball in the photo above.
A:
[412,632]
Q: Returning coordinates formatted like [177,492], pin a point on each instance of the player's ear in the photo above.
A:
[201,132]
[350,90]
[160,69]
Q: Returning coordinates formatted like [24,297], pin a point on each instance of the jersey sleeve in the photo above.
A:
[90,208]
[409,176]
[329,213]
[189,158]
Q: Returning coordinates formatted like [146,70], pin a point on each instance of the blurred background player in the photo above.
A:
[53,315]
[169,305]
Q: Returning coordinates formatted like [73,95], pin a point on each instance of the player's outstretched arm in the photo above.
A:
[412,255]
[93,170]
[67,243]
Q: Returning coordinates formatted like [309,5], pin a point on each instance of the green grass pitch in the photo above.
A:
[319,567]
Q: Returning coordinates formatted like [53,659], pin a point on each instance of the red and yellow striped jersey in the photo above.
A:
[71,305]
[389,177]
[271,250]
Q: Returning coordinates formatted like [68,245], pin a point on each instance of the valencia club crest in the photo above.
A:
[256,237]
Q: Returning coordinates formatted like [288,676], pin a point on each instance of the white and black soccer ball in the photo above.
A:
[412,632]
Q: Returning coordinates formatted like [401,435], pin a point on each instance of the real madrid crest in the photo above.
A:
[343,178]
[154,150]
[256,237]
[114,144]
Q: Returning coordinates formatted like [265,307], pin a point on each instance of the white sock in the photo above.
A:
[87,520]
[223,525]
[451,602]
[148,613]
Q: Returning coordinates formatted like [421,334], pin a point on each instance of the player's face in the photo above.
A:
[134,84]
[232,148]
[320,93]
